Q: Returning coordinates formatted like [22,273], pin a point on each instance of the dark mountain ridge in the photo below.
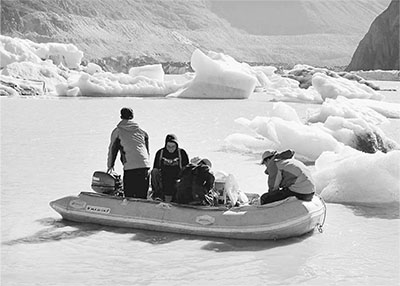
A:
[379,49]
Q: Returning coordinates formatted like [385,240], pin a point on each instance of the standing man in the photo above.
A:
[133,144]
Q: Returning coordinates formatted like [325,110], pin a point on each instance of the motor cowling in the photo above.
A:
[106,183]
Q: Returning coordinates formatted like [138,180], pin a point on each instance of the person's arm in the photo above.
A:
[274,177]
[113,149]
[210,180]
[185,158]
[146,142]
[205,177]
[156,164]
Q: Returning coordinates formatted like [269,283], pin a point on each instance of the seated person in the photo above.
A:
[286,177]
[196,183]
[168,164]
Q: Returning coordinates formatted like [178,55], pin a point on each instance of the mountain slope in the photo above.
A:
[293,17]
[379,49]
[307,31]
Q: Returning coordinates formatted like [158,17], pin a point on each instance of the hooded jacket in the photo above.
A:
[171,164]
[290,173]
[133,144]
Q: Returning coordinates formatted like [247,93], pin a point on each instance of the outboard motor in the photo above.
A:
[105,183]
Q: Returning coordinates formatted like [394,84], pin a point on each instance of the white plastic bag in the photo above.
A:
[232,189]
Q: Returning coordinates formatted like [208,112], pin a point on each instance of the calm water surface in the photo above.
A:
[51,147]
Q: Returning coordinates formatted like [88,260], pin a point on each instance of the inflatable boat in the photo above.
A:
[282,219]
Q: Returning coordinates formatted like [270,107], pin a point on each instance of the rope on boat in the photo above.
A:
[320,225]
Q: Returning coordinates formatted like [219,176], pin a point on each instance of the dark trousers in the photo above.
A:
[283,194]
[136,183]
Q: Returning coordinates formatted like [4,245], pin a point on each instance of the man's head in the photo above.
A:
[126,113]
[206,162]
[267,155]
[201,161]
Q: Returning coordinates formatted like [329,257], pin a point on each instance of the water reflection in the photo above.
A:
[155,237]
[216,244]
[59,229]
[386,211]
[251,245]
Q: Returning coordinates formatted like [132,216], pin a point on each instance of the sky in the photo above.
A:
[342,130]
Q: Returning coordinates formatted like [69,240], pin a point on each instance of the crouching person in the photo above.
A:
[196,184]
[286,177]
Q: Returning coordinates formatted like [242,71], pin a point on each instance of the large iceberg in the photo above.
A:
[284,130]
[108,85]
[339,122]
[218,78]
[338,179]
[19,50]
[353,124]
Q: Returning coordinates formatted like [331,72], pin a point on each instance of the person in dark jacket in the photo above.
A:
[286,177]
[132,143]
[168,164]
[196,183]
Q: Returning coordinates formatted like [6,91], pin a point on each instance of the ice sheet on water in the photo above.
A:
[355,177]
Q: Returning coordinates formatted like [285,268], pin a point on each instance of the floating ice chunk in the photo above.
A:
[16,50]
[287,89]
[266,70]
[11,86]
[330,87]
[284,111]
[359,134]
[308,141]
[93,68]
[354,125]
[217,79]
[108,84]
[346,108]
[388,109]
[19,50]
[353,177]
[387,75]
[67,54]
[154,72]
[43,73]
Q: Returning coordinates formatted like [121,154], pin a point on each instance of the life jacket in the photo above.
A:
[179,157]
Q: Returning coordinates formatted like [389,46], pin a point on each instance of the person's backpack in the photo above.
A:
[203,182]
[195,183]
[288,154]
[184,185]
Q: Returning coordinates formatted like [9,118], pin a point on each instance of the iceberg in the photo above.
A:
[217,79]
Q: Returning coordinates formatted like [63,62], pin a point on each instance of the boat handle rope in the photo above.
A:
[320,225]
